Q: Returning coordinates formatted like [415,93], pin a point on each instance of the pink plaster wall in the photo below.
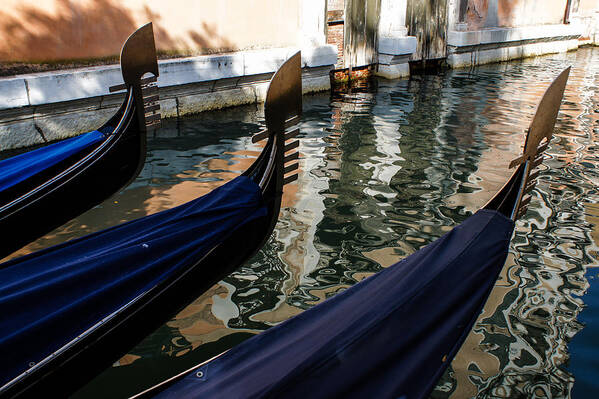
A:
[43,30]
[514,13]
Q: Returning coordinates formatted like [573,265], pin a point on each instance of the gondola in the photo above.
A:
[44,188]
[71,310]
[393,334]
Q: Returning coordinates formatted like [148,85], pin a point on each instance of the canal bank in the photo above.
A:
[382,174]
[44,107]
[240,45]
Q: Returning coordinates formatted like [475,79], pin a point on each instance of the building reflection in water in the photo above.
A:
[383,173]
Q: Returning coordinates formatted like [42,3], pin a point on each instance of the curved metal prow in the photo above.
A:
[138,57]
[537,140]
[282,111]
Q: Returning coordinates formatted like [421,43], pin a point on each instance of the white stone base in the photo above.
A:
[393,71]
[589,24]
[479,57]
[503,44]
[39,108]
[394,56]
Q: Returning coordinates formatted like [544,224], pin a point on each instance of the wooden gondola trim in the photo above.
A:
[262,134]
[292,134]
[530,185]
[292,145]
[290,168]
[291,157]
[123,86]
[522,211]
[149,91]
[150,99]
[152,118]
[533,175]
[537,162]
[152,108]
[290,179]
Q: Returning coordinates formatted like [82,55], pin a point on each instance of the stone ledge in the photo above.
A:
[397,45]
[394,53]
[14,93]
[502,35]
[393,71]
[33,125]
[499,54]
[69,85]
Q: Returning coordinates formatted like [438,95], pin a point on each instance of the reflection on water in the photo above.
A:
[382,174]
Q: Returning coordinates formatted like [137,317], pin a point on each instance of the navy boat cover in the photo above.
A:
[390,336]
[50,297]
[21,167]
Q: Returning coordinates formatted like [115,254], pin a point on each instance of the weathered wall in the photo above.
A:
[478,14]
[361,32]
[335,26]
[513,13]
[584,6]
[67,29]
[427,20]
[393,18]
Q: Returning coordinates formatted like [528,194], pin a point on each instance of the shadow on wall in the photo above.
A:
[207,41]
[210,42]
[479,14]
[94,29]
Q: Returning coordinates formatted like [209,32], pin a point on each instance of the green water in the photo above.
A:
[383,173]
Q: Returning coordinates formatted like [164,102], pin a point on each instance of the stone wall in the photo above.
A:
[39,108]
[336,26]
[42,30]
[585,13]
[484,31]
[478,14]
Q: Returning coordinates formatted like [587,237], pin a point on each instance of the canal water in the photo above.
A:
[383,173]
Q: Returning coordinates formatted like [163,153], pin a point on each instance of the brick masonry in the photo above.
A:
[335,37]
[335,26]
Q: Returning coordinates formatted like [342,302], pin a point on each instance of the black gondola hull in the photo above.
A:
[75,194]
[55,194]
[180,275]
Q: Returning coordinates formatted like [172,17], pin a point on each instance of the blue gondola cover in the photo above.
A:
[50,297]
[390,336]
[21,167]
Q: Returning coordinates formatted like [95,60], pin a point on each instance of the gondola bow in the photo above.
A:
[71,310]
[44,188]
[393,334]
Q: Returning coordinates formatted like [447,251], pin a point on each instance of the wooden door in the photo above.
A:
[360,32]
[427,20]
[335,27]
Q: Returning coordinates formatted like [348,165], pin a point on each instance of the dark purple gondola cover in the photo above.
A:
[21,167]
[50,297]
[390,336]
